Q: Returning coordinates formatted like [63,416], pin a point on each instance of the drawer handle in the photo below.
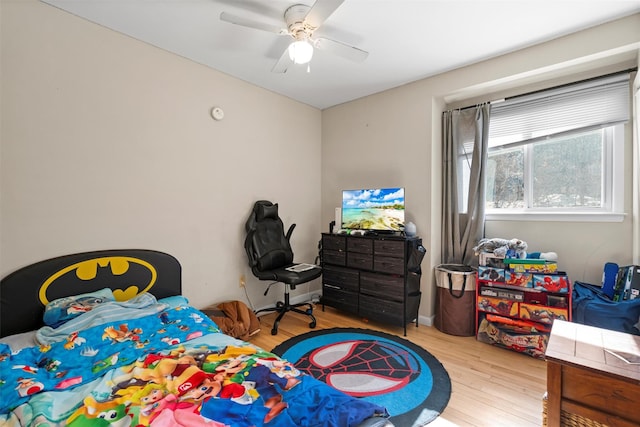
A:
[331,286]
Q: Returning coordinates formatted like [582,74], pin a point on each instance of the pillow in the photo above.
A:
[64,309]
[174,301]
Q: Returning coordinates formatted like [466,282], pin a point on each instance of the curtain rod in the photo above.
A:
[474,106]
[627,71]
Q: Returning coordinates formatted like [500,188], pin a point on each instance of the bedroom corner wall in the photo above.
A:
[394,138]
[107,142]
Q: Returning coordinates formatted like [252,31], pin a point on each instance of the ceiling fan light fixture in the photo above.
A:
[300,51]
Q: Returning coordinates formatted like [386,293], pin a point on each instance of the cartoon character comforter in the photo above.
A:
[169,368]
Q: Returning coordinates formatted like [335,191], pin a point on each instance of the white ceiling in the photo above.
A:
[407,40]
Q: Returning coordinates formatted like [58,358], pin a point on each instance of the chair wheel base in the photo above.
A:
[283,307]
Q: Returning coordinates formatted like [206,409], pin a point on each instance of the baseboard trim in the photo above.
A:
[425,320]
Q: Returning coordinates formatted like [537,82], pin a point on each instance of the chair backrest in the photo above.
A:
[266,244]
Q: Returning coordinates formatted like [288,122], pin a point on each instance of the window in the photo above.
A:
[559,152]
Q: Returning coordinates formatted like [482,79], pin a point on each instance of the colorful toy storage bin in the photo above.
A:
[517,301]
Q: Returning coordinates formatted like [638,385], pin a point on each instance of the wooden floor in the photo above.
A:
[490,386]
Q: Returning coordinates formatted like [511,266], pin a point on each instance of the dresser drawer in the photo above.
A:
[358,260]
[601,390]
[382,285]
[389,247]
[387,264]
[342,277]
[379,309]
[340,299]
[334,243]
[360,244]
[333,257]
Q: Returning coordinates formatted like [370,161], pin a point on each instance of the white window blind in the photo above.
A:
[594,103]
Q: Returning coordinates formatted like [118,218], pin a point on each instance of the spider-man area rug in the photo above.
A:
[381,368]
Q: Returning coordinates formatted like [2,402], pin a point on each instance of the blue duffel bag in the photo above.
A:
[591,306]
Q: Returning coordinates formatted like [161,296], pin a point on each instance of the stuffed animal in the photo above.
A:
[548,256]
[513,248]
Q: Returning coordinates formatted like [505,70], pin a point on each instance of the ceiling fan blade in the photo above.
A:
[320,11]
[283,63]
[349,52]
[246,22]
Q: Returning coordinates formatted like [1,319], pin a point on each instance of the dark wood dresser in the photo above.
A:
[376,277]
[587,376]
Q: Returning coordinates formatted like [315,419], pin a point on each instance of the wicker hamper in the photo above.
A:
[567,419]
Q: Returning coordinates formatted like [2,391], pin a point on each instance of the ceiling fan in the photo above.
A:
[302,22]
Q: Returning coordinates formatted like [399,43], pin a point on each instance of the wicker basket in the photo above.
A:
[567,419]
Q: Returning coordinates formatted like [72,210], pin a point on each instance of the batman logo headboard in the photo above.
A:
[127,272]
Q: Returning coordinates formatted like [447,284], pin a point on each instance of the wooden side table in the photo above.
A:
[587,376]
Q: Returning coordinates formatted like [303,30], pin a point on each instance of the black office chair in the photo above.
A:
[270,256]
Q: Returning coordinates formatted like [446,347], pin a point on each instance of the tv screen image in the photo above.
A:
[378,209]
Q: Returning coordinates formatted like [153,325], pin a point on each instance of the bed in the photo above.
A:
[105,338]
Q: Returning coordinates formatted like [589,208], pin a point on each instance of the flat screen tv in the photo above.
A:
[377,209]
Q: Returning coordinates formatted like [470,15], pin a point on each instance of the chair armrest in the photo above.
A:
[290,231]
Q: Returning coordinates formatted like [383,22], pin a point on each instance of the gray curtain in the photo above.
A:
[465,135]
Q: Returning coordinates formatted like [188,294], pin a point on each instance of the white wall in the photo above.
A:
[394,138]
[636,168]
[107,142]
